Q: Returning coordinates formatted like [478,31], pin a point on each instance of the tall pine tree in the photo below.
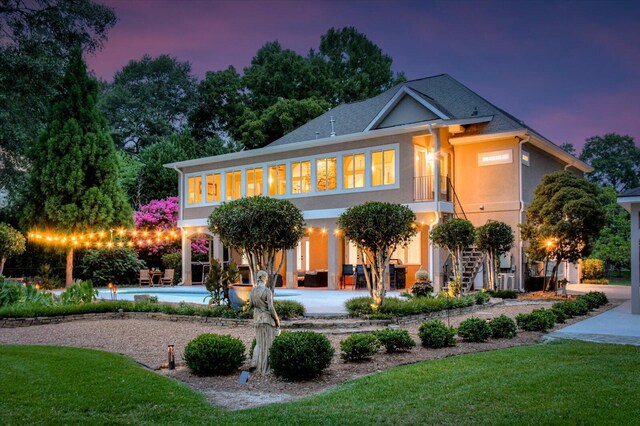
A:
[74,168]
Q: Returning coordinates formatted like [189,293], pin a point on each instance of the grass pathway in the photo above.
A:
[558,383]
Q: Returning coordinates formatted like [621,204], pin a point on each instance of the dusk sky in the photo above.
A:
[570,70]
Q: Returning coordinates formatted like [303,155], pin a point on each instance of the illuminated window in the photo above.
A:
[254,182]
[326,174]
[300,177]
[234,185]
[383,167]
[194,190]
[278,179]
[213,187]
[353,166]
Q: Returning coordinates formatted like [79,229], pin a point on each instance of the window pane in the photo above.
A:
[228,177]
[272,180]
[295,178]
[213,187]
[359,171]
[191,190]
[347,168]
[305,178]
[376,168]
[389,167]
[258,187]
[331,173]
[250,183]
[282,179]
[237,185]
[321,174]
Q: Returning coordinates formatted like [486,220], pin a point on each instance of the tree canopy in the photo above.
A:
[563,219]
[259,227]
[148,99]
[616,160]
[455,235]
[36,39]
[377,229]
[12,243]
[613,244]
[494,238]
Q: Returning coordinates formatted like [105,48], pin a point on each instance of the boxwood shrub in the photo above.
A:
[300,355]
[393,307]
[435,334]
[359,346]
[538,320]
[559,312]
[474,330]
[212,354]
[592,299]
[395,340]
[504,294]
[503,327]
[482,297]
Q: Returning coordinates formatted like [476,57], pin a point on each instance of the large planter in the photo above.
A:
[239,295]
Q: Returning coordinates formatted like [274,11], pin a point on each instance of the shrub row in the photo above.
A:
[360,346]
[503,294]
[544,319]
[286,309]
[392,307]
[435,334]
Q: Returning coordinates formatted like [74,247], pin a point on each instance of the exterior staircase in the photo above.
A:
[472,262]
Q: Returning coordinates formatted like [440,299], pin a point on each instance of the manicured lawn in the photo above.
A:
[624,279]
[560,383]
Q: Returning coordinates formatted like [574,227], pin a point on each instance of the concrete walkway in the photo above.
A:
[616,325]
[613,292]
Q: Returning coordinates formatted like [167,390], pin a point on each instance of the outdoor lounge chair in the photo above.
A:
[145,277]
[167,279]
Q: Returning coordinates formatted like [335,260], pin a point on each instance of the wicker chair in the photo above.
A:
[145,277]
[167,279]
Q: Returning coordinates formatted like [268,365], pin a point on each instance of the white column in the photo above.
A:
[334,260]
[186,258]
[291,278]
[217,248]
[436,166]
[635,259]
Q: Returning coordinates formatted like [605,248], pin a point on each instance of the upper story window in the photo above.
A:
[300,177]
[194,190]
[213,187]
[254,182]
[278,179]
[326,174]
[353,167]
[383,167]
[233,185]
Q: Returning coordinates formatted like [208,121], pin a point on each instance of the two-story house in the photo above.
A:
[431,144]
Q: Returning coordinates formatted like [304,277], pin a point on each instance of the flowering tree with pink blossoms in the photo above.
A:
[163,215]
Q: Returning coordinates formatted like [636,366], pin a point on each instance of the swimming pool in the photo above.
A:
[190,294]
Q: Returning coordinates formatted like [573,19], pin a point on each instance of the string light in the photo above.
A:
[105,238]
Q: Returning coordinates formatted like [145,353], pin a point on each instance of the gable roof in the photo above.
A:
[441,93]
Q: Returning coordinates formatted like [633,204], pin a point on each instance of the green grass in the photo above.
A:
[625,279]
[560,383]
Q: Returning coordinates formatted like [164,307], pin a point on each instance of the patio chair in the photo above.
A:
[347,277]
[145,277]
[167,279]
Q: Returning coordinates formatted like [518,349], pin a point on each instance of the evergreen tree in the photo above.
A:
[74,183]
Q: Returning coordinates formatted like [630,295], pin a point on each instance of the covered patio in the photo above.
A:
[630,200]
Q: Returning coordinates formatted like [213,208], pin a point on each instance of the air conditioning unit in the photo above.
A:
[506,281]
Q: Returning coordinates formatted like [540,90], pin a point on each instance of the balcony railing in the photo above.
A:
[423,188]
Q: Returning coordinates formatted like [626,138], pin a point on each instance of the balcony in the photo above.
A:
[423,188]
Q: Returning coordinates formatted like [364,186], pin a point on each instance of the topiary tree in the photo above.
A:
[74,185]
[455,235]
[563,219]
[259,227]
[494,238]
[12,243]
[378,229]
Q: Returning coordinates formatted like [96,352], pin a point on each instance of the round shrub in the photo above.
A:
[561,316]
[422,289]
[300,355]
[503,327]
[592,301]
[592,269]
[538,320]
[482,297]
[212,354]
[288,309]
[599,296]
[359,346]
[395,340]
[435,334]
[116,265]
[474,330]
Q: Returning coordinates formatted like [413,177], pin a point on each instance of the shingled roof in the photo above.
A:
[442,91]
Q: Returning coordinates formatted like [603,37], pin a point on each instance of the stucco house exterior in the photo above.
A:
[431,144]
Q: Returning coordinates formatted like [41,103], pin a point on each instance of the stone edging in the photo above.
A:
[303,323]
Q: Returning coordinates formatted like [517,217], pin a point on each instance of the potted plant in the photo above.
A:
[422,287]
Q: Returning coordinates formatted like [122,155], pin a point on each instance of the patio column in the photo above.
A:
[334,260]
[291,274]
[217,251]
[436,167]
[186,258]
[635,259]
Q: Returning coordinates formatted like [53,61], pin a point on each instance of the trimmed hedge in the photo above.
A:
[212,354]
[503,294]
[395,340]
[482,297]
[503,327]
[392,307]
[599,281]
[474,330]
[538,320]
[359,346]
[435,334]
[300,355]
